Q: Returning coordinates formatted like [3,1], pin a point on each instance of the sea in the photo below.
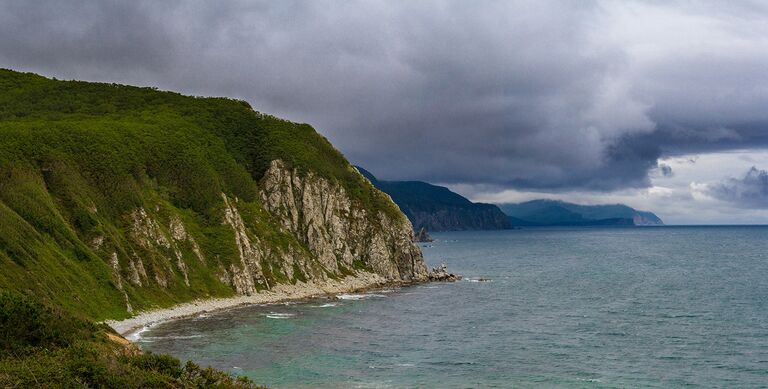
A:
[650,307]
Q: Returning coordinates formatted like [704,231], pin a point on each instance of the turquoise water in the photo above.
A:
[586,307]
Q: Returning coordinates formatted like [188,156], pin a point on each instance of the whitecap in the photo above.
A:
[326,305]
[350,297]
[358,296]
[275,315]
[153,338]
[136,335]
[478,279]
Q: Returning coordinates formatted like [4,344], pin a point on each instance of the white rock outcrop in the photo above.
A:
[338,231]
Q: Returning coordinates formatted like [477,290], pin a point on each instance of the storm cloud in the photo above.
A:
[751,191]
[529,95]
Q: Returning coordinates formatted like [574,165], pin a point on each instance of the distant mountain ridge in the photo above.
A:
[437,208]
[561,213]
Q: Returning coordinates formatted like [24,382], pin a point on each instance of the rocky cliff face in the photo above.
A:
[105,212]
[343,235]
[324,232]
[340,236]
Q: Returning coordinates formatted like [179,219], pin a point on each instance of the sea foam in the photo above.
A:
[276,315]
[358,296]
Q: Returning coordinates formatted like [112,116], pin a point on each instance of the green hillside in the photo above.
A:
[437,208]
[84,166]
[47,347]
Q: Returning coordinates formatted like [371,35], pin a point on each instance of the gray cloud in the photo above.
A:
[533,95]
[665,170]
[751,191]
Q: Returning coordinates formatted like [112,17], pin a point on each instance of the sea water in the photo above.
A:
[564,307]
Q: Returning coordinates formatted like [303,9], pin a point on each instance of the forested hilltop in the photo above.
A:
[437,208]
[116,199]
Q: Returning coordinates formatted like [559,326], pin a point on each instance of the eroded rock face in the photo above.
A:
[342,234]
[244,280]
[315,231]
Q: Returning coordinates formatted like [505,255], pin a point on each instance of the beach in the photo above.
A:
[279,293]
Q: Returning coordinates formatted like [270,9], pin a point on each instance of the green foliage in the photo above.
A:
[41,346]
[25,324]
[77,158]
[194,146]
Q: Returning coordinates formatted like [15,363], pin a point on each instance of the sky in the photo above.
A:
[660,105]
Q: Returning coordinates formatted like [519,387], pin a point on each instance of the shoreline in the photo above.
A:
[280,293]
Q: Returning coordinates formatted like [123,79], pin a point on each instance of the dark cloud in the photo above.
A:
[751,191]
[665,170]
[533,95]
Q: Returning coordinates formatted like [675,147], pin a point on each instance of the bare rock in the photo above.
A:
[440,273]
[422,236]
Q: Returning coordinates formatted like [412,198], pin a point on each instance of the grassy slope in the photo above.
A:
[76,158]
[46,347]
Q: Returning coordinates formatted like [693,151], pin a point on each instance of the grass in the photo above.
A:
[77,158]
[77,162]
[43,346]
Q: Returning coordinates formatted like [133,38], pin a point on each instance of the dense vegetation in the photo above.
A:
[77,158]
[437,208]
[115,199]
[46,347]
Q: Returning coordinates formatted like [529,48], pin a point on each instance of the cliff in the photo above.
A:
[560,213]
[115,199]
[437,208]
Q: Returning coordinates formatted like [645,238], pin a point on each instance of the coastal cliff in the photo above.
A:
[118,199]
[437,208]
[341,234]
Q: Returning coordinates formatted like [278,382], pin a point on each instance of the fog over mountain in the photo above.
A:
[502,101]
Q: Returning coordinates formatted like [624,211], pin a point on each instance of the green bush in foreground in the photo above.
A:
[42,346]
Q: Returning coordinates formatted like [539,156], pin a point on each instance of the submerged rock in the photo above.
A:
[440,273]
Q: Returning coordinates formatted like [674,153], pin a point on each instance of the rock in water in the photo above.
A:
[422,236]
[440,273]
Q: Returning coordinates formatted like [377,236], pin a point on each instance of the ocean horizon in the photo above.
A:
[670,306]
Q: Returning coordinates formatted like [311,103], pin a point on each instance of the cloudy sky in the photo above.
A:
[661,105]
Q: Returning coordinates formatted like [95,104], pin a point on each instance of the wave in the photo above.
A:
[275,315]
[326,305]
[172,337]
[481,279]
[136,336]
[358,296]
